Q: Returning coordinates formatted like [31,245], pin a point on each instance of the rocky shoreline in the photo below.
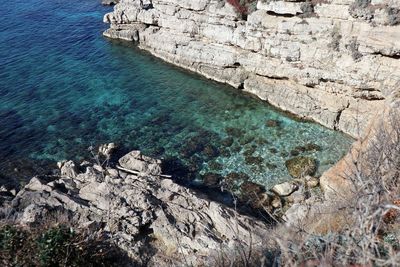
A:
[335,62]
[328,63]
[144,212]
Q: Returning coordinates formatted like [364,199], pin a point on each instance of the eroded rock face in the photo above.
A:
[145,214]
[325,61]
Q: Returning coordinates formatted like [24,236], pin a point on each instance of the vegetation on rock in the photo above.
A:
[242,6]
[301,166]
[58,245]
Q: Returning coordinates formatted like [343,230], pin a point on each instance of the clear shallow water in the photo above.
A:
[63,87]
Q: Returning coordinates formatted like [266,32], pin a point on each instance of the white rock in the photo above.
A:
[284,189]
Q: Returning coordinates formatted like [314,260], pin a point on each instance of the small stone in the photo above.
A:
[276,203]
[69,169]
[13,192]
[112,172]
[60,163]
[284,189]
[312,182]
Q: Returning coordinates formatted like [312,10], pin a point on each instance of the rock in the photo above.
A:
[135,161]
[280,7]
[249,152]
[212,179]
[254,194]
[68,169]
[311,182]
[109,2]
[227,142]
[284,189]
[301,166]
[234,132]
[107,149]
[233,179]
[312,147]
[272,123]
[250,188]
[276,202]
[215,165]
[210,151]
[181,222]
[250,160]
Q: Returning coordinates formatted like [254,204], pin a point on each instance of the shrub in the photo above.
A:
[242,6]
[57,246]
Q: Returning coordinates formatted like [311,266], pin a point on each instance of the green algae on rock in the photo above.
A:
[301,166]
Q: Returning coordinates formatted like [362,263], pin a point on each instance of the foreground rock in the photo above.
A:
[153,219]
[324,60]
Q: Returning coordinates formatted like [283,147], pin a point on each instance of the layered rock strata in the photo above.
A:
[335,62]
[152,218]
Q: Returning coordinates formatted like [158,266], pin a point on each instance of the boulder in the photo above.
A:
[135,161]
[301,166]
[284,189]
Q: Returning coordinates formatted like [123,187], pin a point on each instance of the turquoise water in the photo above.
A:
[64,87]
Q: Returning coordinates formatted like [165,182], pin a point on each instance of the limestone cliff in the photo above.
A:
[332,61]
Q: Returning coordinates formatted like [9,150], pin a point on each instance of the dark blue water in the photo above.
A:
[64,87]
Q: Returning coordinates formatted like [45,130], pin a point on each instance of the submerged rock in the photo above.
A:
[257,160]
[234,132]
[272,123]
[212,179]
[210,151]
[215,165]
[233,179]
[254,195]
[301,166]
[227,142]
[306,148]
